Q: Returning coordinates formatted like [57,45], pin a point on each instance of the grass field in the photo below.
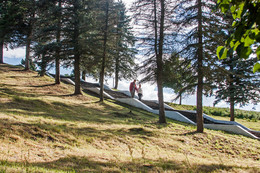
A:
[43,128]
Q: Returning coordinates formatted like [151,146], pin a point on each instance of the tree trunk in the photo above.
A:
[28,49]
[118,38]
[232,110]
[43,65]
[57,69]
[1,51]
[232,92]
[102,73]
[180,100]
[162,118]
[30,37]
[83,76]
[200,125]
[159,62]
[117,73]
[57,58]
[76,50]
[77,75]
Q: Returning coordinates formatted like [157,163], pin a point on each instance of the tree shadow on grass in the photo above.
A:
[7,85]
[92,102]
[88,164]
[33,131]
[84,164]
[52,132]
[190,133]
[64,95]
[90,93]
[62,111]
[107,113]
[77,112]
[15,93]
[108,134]
[40,86]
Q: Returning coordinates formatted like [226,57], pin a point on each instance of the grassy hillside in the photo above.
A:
[43,128]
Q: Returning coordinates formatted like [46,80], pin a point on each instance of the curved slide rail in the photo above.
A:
[232,127]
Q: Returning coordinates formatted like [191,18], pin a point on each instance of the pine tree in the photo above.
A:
[154,19]
[200,126]
[29,19]
[49,47]
[107,21]
[237,84]
[104,55]
[178,75]
[76,44]
[221,74]
[124,52]
[197,36]
[58,41]
[10,18]
[76,31]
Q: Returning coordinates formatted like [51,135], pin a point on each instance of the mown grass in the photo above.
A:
[43,128]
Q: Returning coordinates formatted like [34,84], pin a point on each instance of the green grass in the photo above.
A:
[221,112]
[43,128]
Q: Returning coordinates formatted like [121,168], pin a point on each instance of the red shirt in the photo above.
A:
[132,86]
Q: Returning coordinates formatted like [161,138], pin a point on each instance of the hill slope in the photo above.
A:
[43,128]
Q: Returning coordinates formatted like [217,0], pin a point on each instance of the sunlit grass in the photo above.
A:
[43,128]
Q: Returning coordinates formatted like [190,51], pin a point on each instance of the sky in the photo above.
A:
[149,91]
[128,2]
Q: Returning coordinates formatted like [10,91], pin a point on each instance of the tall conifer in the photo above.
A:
[124,64]
[10,18]
[196,36]
[237,84]
[153,19]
